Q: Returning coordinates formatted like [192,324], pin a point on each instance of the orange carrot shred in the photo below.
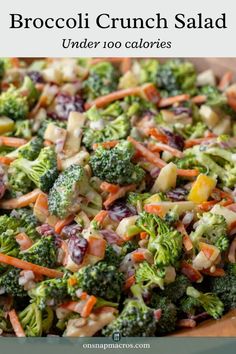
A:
[169,101]
[88,307]
[225,80]
[64,222]
[16,325]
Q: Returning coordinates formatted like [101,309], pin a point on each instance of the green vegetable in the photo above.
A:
[149,276]
[23,129]
[212,228]
[176,290]
[168,320]
[43,252]
[31,150]
[15,103]
[49,292]
[102,280]
[102,80]
[72,183]
[8,244]
[135,320]
[42,171]
[115,130]
[9,281]
[115,166]
[34,321]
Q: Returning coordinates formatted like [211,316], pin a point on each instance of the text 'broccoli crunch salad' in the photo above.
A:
[117,197]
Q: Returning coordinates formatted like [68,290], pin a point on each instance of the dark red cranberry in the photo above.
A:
[177,194]
[77,247]
[64,104]
[35,76]
[71,230]
[121,210]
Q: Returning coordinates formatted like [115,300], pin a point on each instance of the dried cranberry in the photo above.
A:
[45,230]
[182,110]
[111,237]
[77,247]
[174,140]
[35,76]
[121,210]
[64,104]
[71,230]
[177,194]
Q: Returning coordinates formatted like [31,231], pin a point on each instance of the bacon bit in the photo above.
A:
[129,282]
[199,99]
[157,314]
[232,251]
[173,151]
[188,245]
[109,187]
[186,323]
[138,257]
[5,160]
[190,272]
[24,241]
[47,143]
[218,272]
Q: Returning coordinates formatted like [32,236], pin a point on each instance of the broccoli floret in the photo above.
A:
[102,80]
[176,76]
[135,320]
[34,321]
[225,287]
[176,290]
[23,129]
[18,222]
[190,306]
[148,69]
[15,103]
[136,199]
[9,281]
[31,150]
[209,301]
[5,325]
[168,319]
[117,129]
[49,292]
[189,162]
[111,256]
[42,171]
[164,242]
[18,182]
[8,244]
[101,280]
[219,162]
[192,131]
[2,68]
[42,252]
[149,276]
[216,99]
[211,228]
[115,166]
[72,183]
[27,222]
[128,247]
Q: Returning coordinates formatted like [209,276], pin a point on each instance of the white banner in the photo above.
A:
[155,28]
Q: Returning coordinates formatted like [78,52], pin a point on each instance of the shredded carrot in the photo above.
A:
[192,142]
[96,246]
[138,256]
[225,80]
[116,95]
[112,197]
[174,152]
[188,245]
[150,93]
[24,241]
[101,216]
[72,281]
[169,101]
[16,325]
[226,197]
[154,132]
[88,307]
[199,99]
[12,142]
[143,235]
[83,295]
[190,272]
[106,144]
[21,201]
[218,272]
[19,263]
[5,160]
[155,209]
[151,157]
[41,207]
[129,282]
[64,222]
[109,187]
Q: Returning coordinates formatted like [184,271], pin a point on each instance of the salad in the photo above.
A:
[117,196]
